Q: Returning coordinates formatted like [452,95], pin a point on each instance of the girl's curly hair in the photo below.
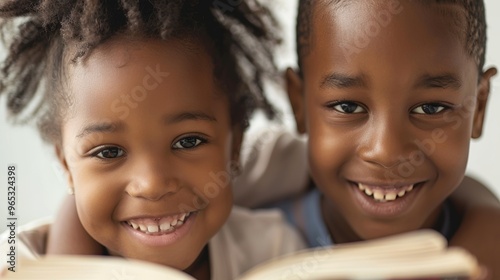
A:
[39,34]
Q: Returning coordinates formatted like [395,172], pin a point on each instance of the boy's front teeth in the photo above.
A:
[162,225]
[385,195]
[153,228]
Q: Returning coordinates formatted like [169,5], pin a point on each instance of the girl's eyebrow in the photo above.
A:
[101,127]
[337,80]
[185,116]
[109,127]
[439,81]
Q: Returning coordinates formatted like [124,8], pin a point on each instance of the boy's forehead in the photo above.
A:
[342,30]
[456,9]
[452,11]
[366,13]
[343,3]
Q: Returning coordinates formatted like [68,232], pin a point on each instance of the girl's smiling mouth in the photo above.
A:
[160,231]
[158,226]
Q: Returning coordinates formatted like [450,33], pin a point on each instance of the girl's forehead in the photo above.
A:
[121,71]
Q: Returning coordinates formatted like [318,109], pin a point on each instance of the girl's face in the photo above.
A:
[391,102]
[147,142]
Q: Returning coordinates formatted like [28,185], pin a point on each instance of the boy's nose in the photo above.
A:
[152,179]
[386,142]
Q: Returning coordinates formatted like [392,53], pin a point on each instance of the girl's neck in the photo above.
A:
[200,268]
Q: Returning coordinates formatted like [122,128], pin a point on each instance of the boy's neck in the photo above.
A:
[338,228]
[200,268]
[341,232]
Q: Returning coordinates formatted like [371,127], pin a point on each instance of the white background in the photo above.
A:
[41,184]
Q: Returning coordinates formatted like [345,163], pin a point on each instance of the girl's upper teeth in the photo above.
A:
[158,225]
[384,195]
[165,226]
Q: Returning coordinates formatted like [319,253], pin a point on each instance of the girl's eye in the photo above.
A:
[347,107]
[429,109]
[188,142]
[109,153]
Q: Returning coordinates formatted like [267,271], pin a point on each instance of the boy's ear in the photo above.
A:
[295,90]
[62,160]
[482,100]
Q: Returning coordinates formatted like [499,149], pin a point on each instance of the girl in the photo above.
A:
[145,103]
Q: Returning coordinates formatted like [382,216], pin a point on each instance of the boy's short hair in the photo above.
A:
[473,24]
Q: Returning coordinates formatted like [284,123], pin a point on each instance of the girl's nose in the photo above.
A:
[152,178]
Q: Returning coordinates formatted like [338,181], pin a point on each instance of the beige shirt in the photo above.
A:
[274,167]
[246,239]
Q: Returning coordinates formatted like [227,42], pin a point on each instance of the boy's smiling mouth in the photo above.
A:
[159,225]
[385,200]
[385,194]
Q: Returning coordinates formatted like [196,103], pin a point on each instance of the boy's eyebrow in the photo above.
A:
[337,80]
[194,115]
[100,127]
[439,81]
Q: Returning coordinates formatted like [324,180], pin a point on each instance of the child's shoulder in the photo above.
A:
[28,240]
[32,234]
[250,237]
[262,231]
[274,167]
[265,221]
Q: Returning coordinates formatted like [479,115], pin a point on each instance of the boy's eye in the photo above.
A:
[347,107]
[109,153]
[188,142]
[429,109]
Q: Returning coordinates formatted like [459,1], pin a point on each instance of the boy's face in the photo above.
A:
[390,100]
[147,143]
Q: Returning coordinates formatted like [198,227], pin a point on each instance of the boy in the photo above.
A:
[390,92]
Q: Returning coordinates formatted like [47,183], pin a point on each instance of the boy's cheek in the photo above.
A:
[447,157]
[327,152]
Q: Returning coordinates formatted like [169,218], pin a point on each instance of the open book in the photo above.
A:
[91,268]
[416,255]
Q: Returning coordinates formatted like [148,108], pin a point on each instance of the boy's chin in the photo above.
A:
[379,229]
